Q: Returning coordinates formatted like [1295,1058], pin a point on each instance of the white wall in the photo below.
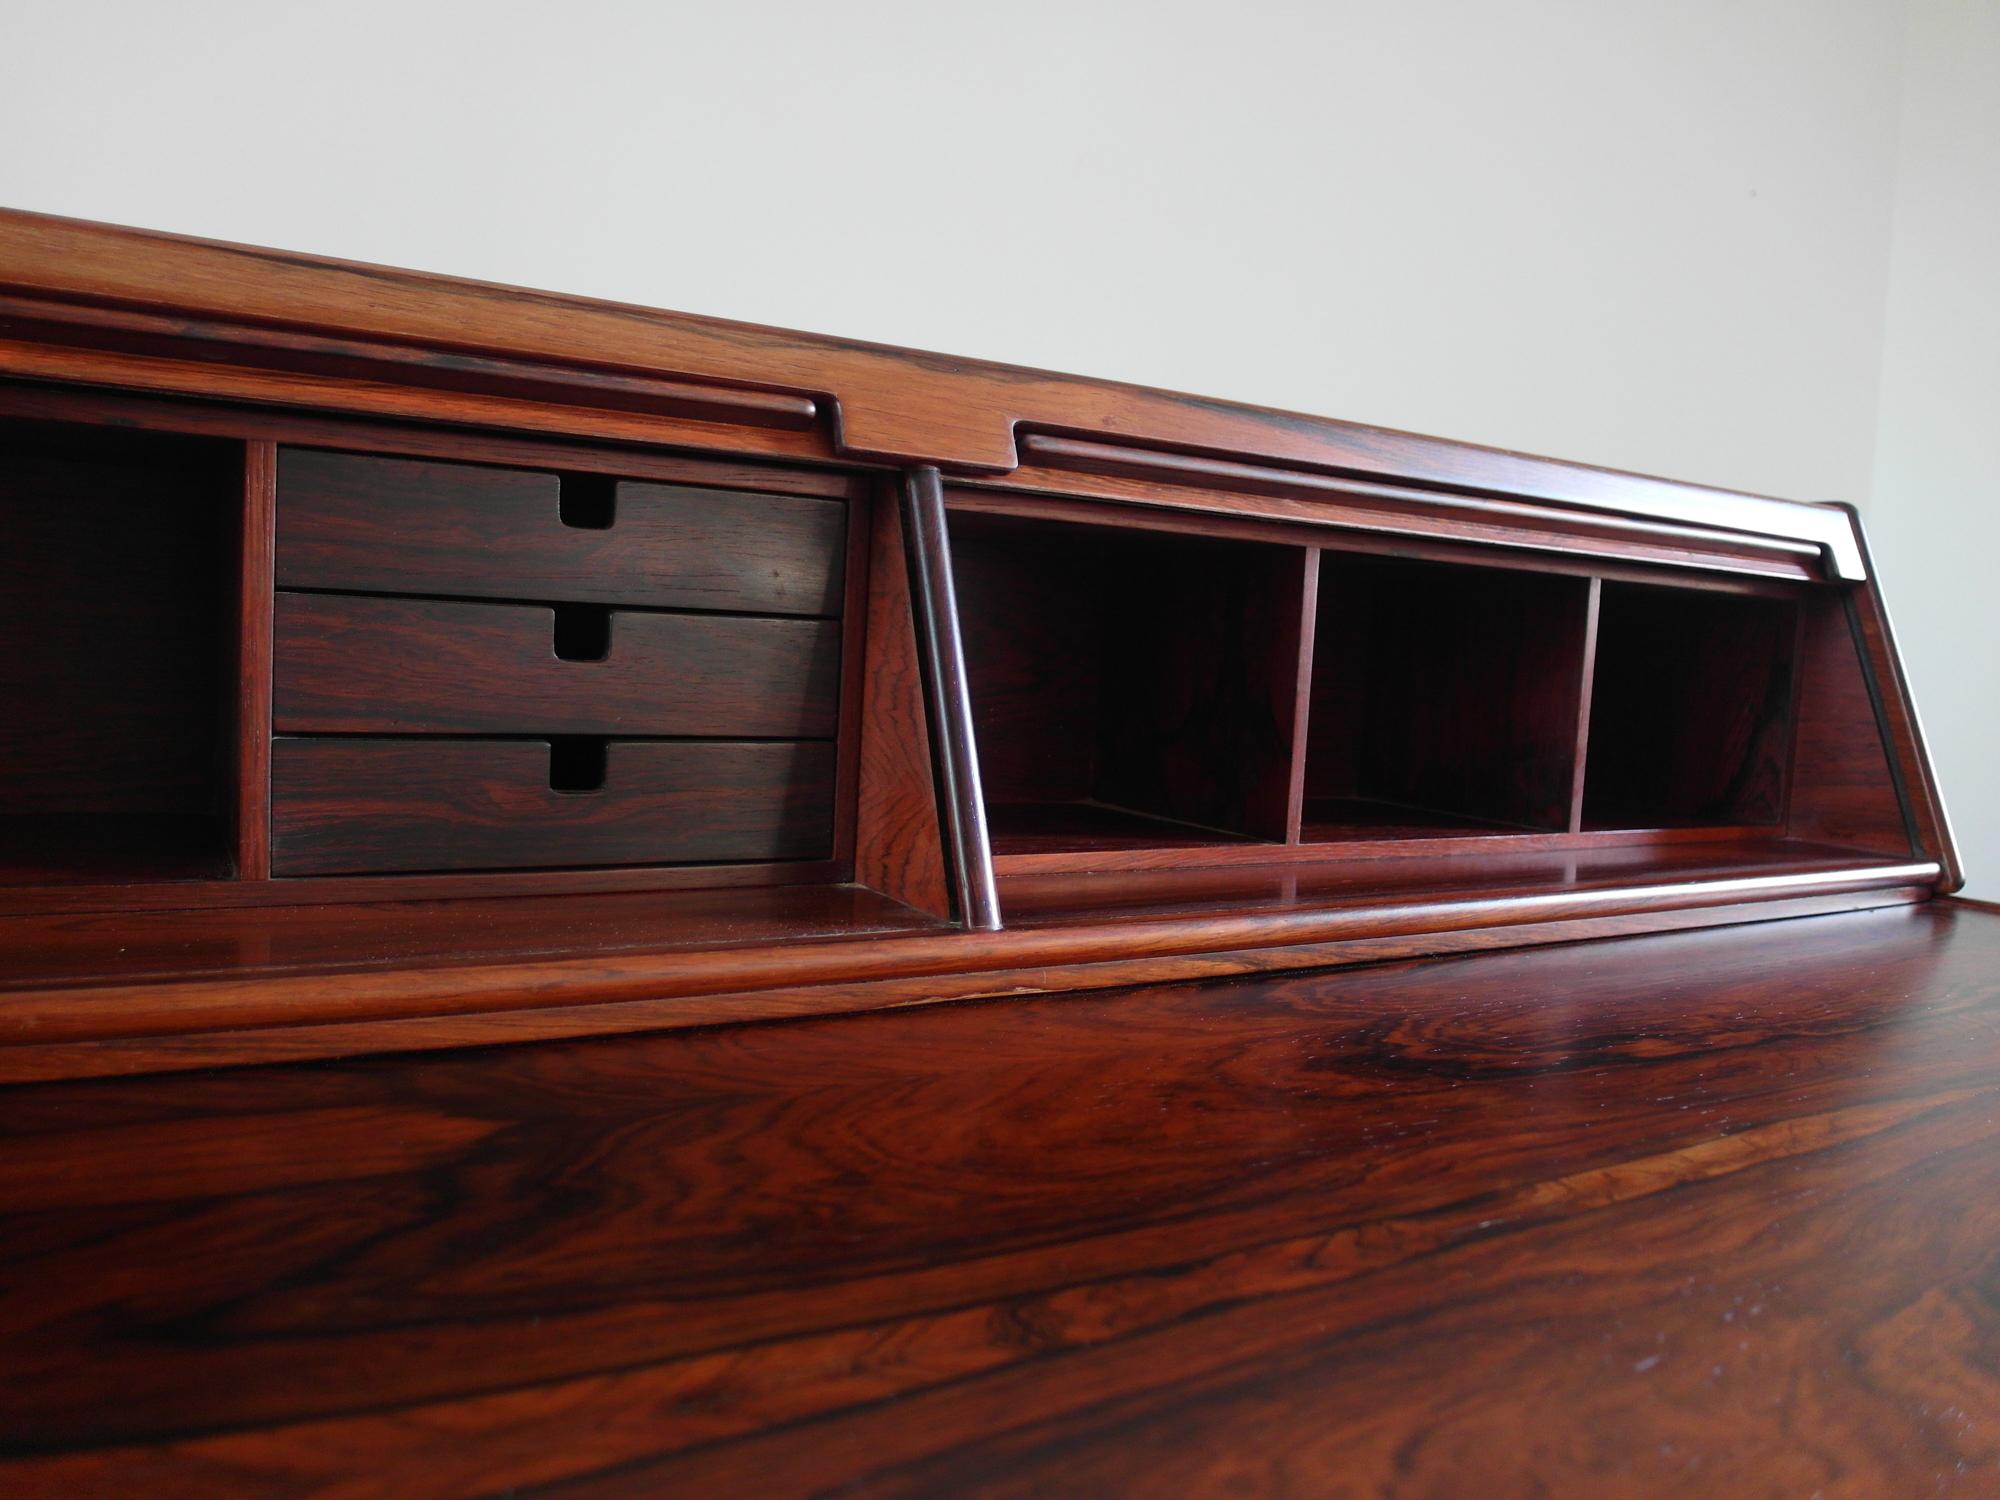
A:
[1652,233]
[1934,517]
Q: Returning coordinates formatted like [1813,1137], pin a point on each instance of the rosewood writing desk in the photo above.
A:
[395,664]
[399,662]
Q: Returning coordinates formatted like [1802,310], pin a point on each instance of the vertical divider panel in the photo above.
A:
[1295,795]
[856,591]
[898,834]
[1588,667]
[255,605]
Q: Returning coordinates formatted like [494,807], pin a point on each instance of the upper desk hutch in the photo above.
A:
[392,661]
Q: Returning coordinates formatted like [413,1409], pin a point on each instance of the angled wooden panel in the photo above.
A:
[899,838]
[1844,787]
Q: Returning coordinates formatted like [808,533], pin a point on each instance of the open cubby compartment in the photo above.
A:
[1691,710]
[1130,689]
[117,607]
[1446,700]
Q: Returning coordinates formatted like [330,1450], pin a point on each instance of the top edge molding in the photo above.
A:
[885,405]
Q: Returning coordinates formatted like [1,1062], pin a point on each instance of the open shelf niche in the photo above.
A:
[1155,699]
[1446,700]
[118,607]
[1130,689]
[1691,714]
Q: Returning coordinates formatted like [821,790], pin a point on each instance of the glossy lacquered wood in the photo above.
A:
[883,404]
[1066,931]
[348,664]
[899,838]
[253,643]
[1126,683]
[1691,1215]
[356,805]
[407,526]
[531,608]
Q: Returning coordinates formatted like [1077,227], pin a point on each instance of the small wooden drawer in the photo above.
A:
[410,526]
[354,665]
[365,806]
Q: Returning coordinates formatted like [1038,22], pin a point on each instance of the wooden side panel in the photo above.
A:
[411,526]
[1844,790]
[899,839]
[348,664]
[361,805]
[1915,775]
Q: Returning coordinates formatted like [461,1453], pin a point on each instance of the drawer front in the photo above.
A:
[352,665]
[362,806]
[411,526]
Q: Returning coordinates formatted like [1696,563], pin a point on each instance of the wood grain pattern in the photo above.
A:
[889,405]
[1843,787]
[275,351]
[1360,507]
[1067,931]
[358,665]
[526,447]
[392,525]
[493,485]
[899,837]
[419,935]
[1057,495]
[355,805]
[250,723]
[1718,1223]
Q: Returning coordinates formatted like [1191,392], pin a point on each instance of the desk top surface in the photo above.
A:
[1702,1213]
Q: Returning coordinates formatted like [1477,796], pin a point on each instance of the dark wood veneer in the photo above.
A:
[335,587]
[357,665]
[405,526]
[1125,678]
[1693,1215]
[358,805]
